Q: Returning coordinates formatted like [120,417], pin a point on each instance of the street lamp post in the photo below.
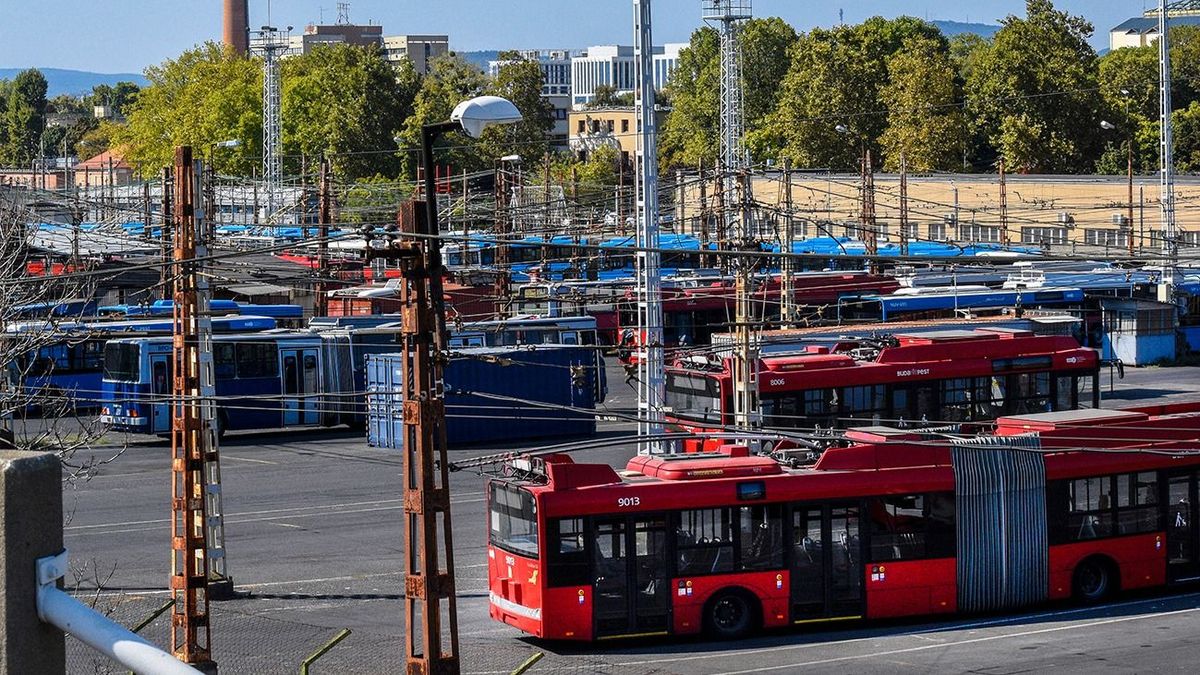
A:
[1109,126]
[471,116]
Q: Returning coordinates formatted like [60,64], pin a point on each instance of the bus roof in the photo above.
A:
[877,461]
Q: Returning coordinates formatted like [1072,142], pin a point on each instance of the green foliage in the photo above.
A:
[119,98]
[1033,91]
[372,199]
[520,81]
[24,117]
[690,132]
[835,78]
[924,120]
[451,79]
[595,178]
[96,140]
[1187,138]
[606,96]
[345,102]
[205,96]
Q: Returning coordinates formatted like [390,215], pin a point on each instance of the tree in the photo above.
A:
[1187,138]
[520,81]
[1033,91]
[97,140]
[204,96]
[835,77]
[24,117]
[345,102]
[119,98]
[691,130]
[925,122]
[451,80]
[607,96]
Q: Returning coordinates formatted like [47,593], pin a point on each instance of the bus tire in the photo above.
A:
[222,424]
[731,614]
[1095,579]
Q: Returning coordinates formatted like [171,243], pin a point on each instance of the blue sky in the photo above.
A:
[127,35]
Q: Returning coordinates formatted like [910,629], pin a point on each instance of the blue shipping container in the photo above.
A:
[492,395]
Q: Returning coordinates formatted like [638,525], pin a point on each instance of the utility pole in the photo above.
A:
[651,353]
[870,234]
[271,44]
[503,289]
[1170,247]
[745,355]
[190,630]
[165,237]
[903,205]
[324,217]
[787,290]
[428,588]
[1129,215]
[1004,236]
[705,258]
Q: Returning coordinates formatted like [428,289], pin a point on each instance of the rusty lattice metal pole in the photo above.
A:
[324,217]
[431,621]
[190,634]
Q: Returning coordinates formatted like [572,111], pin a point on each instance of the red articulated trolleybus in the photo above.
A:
[948,376]
[1052,506]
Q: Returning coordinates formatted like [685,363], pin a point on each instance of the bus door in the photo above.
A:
[629,564]
[162,387]
[300,380]
[826,563]
[1183,535]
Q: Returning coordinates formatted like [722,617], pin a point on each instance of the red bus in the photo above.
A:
[893,525]
[692,315]
[948,376]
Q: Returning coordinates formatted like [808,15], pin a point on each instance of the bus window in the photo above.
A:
[1031,393]
[1065,394]
[121,362]
[694,397]
[257,360]
[1137,503]
[569,337]
[897,527]
[224,362]
[704,541]
[513,520]
[291,379]
[761,537]
[1090,508]
[568,563]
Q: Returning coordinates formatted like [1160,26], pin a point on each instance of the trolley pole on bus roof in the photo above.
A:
[651,356]
[190,630]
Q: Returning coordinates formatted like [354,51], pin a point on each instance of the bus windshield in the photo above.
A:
[513,519]
[121,362]
[694,397]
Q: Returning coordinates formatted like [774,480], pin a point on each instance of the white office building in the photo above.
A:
[1141,31]
[613,65]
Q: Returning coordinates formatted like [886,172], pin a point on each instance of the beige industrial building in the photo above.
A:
[1042,211]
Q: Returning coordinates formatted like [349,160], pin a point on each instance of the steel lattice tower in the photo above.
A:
[271,44]
[651,359]
[1170,245]
[735,188]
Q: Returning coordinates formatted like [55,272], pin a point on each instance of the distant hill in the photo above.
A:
[952,28]
[75,82]
[481,58]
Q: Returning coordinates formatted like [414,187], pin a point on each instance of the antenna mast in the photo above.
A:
[651,357]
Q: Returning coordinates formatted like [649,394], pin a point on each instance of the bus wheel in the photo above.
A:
[1094,580]
[730,615]
[222,424]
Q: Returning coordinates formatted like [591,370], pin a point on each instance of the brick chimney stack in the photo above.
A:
[237,25]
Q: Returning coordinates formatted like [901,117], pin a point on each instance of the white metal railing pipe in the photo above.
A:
[96,630]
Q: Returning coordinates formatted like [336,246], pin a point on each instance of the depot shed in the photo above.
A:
[496,394]
[1139,332]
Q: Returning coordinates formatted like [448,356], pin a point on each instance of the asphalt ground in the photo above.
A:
[313,528]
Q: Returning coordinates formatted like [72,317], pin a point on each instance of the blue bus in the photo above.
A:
[286,316]
[288,379]
[946,303]
[70,367]
[262,381]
